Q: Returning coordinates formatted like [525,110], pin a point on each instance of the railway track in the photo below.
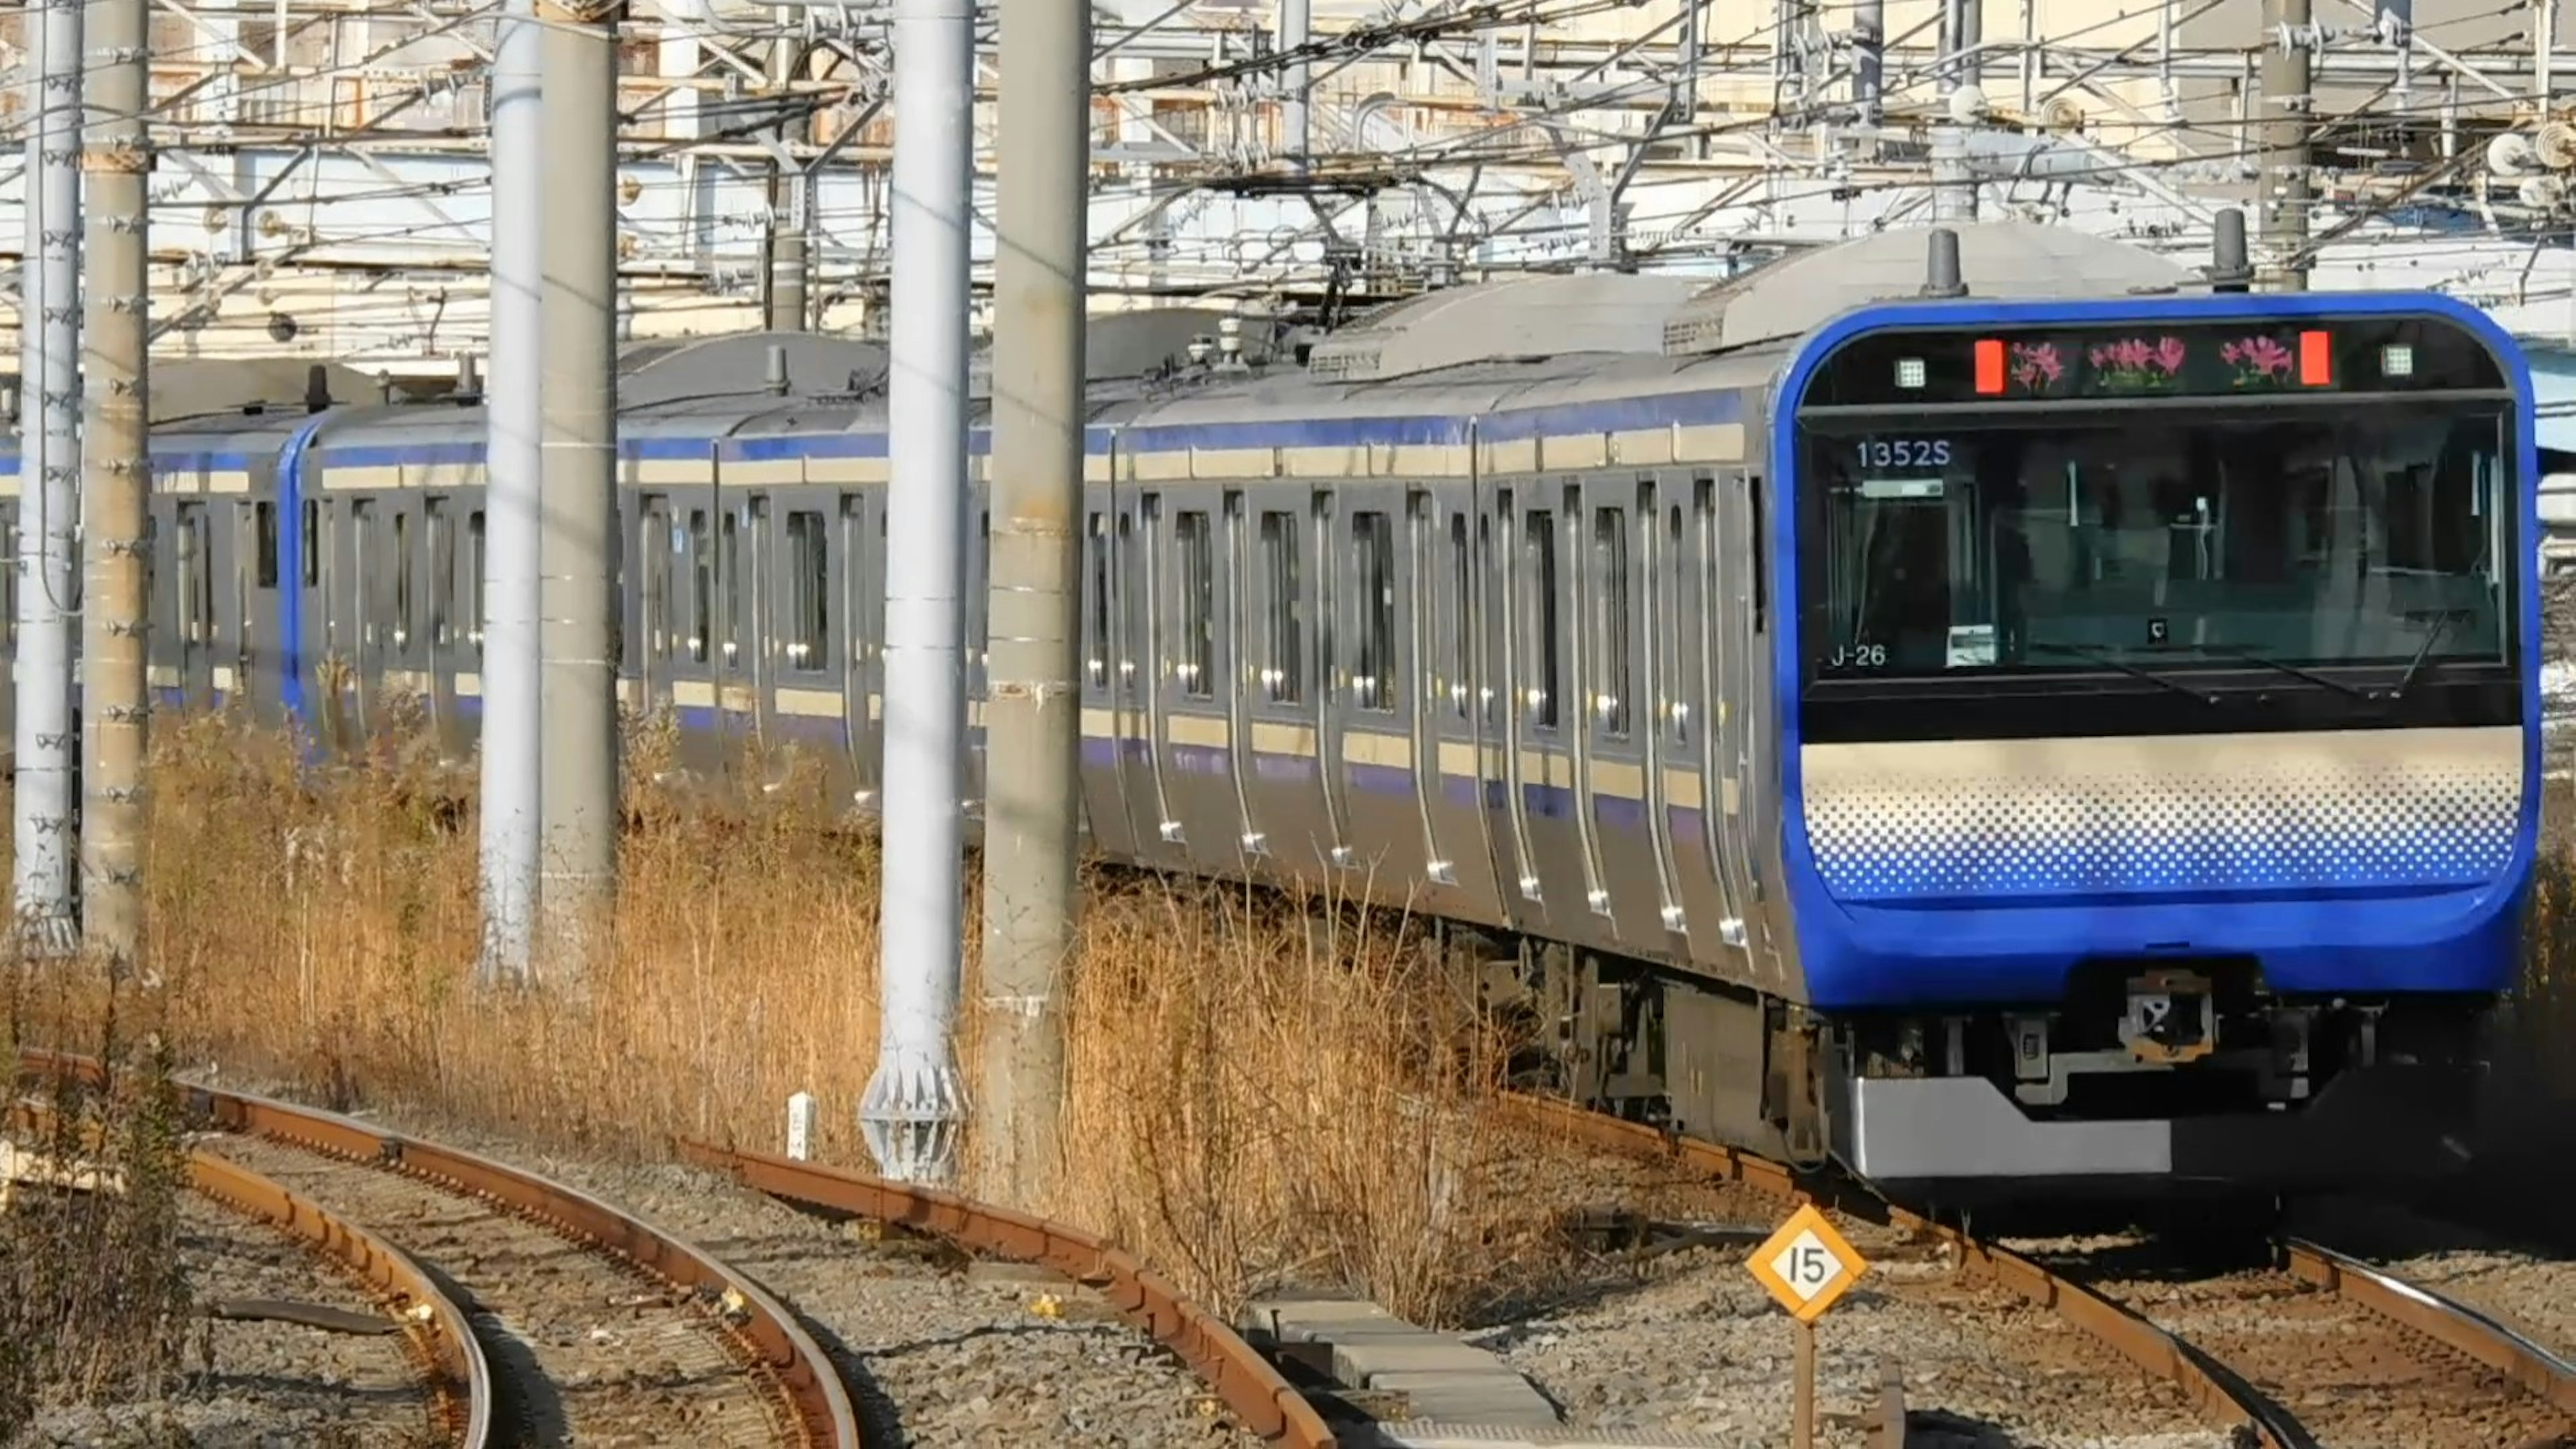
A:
[446,1359]
[584,1324]
[594,1327]
[2357,1357]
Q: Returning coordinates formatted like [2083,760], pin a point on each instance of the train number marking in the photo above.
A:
[1904,452]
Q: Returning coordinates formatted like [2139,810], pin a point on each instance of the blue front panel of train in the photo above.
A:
[1957,871]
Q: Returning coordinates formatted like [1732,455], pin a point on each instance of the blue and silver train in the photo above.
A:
[2080,733]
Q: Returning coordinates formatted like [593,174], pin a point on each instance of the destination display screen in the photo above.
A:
[1916,367]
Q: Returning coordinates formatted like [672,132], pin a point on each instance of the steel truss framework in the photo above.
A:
[322,180]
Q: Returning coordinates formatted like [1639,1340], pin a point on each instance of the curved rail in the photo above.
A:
[463,1379]
[1259,1398]
[430,1320]
[754,1319]
[2454,1325]
[2220,1397]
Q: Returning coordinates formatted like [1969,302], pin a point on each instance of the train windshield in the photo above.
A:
[2160,543]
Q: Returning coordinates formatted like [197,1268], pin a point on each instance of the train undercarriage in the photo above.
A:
[2151,1080]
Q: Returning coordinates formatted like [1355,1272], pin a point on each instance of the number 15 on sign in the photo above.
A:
[1806,1265]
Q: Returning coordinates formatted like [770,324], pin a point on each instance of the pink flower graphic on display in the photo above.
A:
[2259,362]
[2138,363]
[2036,364]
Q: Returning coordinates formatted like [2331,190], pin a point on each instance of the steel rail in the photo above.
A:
[461,1376]
[768,1333]
[1259,1398]
[2218,1394]
[2446,1321]
[430,1321]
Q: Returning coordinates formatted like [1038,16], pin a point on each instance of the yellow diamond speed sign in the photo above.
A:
[1807,1265]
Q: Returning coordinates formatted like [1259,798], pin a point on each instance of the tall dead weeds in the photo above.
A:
[1252,1100]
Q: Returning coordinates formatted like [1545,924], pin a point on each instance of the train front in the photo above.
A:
[2163,762]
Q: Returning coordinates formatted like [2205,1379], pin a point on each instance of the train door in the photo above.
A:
[192,559]
[759,633]
[1455,713]
[1689,617]
[9,586]
[1379,810]
[1279,684]
[1103,654]
[1727,540]
[975,649]
[1234,680]
[1500,697]
[327,646]
[1196,735]
[647,606]
[862,597]
[809,693]
[1331,573]
[441,638]
[366,567]
[1144,549]
[1629,878]
[255,577]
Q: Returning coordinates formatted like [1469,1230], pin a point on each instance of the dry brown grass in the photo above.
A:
[1261,1091]
[1248,1103]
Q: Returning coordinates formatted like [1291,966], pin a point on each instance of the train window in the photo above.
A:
[1373,602]
[1283,669]
[1461,632]
[1538,618]
[402,580]
[1610,632]
[267,531]
[362,522]
[1131,605]
[202,597]
[701,587]
[1096,608]
[9,577]
[979,603]
[1761,585]
[312,543]
[1196,644]
[1680,625]
[442,569]
[809,583]
[474,578]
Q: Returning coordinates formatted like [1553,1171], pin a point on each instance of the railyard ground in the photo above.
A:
[1256,1100]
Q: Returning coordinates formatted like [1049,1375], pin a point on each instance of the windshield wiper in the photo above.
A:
[2406,681]
[2103,657]
[2238,651]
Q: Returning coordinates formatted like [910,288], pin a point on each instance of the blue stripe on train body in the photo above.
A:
[2449,926]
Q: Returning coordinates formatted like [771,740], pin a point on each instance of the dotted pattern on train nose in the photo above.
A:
[2277,827]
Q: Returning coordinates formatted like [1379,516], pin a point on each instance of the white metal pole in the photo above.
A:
[914,1103]
[49,470]
[514,467]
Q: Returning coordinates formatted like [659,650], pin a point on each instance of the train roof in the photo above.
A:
[1998,260]
[1522,319]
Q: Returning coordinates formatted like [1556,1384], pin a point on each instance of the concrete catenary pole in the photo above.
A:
[1295,29]
[788,188]
[47,803]
[1031,713]
[116,567]
[2283,204]
[514,468]
[577,768]
[913,1106]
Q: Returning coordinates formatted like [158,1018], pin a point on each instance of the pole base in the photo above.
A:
[912,1114]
